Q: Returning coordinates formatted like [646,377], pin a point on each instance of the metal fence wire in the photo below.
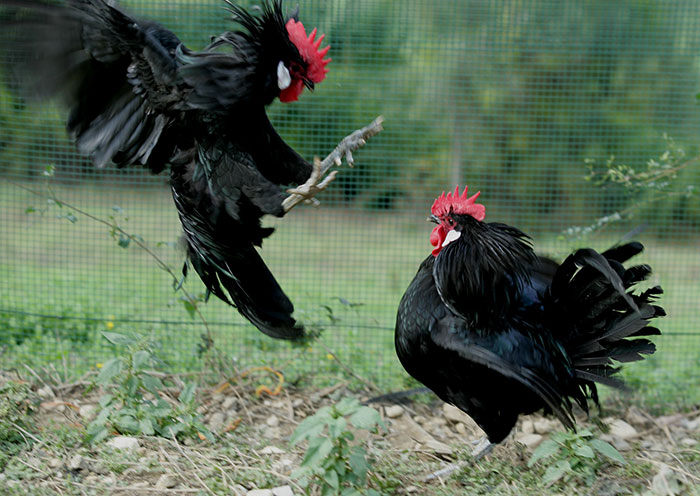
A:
[518,99]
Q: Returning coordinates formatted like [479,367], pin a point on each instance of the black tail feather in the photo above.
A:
[592,297]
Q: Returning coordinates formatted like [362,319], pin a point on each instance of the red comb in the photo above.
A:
[309,50]
[458,204]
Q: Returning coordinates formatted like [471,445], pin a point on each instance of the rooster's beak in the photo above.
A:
[433,218]
[309,84]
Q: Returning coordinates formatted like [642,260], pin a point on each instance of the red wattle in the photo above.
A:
[437,237]
[291,93]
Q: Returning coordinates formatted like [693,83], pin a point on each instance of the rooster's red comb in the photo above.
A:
[458,204]
[309,50]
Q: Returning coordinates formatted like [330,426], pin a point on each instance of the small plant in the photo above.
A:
[640,186]
[133,403]
[337,465]
[573,454]
[16,403]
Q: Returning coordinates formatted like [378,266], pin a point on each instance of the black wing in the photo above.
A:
[117,76]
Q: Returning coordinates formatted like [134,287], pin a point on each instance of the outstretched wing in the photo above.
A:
[117,75]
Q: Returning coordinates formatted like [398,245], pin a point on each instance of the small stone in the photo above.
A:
[260,492]
[55,462]
[282,491]
[461,428]
[45,392]
[271,450]
[544,426]
[665,482]
[687,441]
[691,425]
[87,412]
[77,463]
[166,481]
[216,421]
[635,416]
[218,398]
[420,419]
[272,433]
[393,411]
[297,403]
[124,443]
[622,429]
[454,414]
[108,481]
[620,444]
[228,403]
[528,427]
[530,441]
[272,421]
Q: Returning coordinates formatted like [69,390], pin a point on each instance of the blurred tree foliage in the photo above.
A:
[513,96]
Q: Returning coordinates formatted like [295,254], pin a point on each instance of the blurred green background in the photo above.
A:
[515,98]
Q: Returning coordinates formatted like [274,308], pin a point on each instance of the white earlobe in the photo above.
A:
[451,236]
[283,77]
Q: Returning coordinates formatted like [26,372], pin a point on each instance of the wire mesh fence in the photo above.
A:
[518,99]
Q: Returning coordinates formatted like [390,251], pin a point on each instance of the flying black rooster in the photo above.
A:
[137,96]
[497,331]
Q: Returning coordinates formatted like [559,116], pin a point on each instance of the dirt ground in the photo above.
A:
[252,454]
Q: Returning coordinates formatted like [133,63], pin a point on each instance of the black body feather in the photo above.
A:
[137,96]
[498,331]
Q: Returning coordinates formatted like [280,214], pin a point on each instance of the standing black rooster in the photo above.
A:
[497,331]
[138,96]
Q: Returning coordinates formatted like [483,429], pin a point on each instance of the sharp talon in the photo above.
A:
[338,161]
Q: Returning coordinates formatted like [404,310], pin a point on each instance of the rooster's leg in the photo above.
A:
[315,184]
[482,448]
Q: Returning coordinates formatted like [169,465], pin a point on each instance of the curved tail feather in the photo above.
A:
[605,322]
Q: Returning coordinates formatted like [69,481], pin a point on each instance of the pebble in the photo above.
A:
[272,421]
[530,441]
[216,421]
[282,491]
[271,450]
[228,403]
[461,428]
[544,426]
[393,411]
[77,463]
[55,462]
[87,412]
[528,427]
[454,414]
[687,441]
[665,482]
[45,392]
[619,443]
[420,419]
[166,481]
[260,492]
[125,443]
[622,429]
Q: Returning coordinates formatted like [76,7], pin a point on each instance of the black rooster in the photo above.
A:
[137,96]
[497,331]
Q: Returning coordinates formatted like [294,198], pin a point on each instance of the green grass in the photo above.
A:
[53,267]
